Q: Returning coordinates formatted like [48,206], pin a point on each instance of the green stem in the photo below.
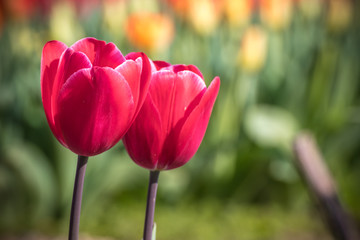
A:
[77,196]
[150,205]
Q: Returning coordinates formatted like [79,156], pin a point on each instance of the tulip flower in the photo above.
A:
[238,13]
[84,8]
[339,15]
[115,13]
[276,14]
[91,95]
[150,31]
[253,50]
[64,24]
[311,9]
[23,10]
[171,124]
[205,15]
[173,119]
[180,7]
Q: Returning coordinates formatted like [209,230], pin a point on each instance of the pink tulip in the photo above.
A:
[173,120]
[91,93]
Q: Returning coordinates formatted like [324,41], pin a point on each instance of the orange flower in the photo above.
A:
[180,7]
[276,13]
[150,31]
[238,12]
[253,50]
[339,14]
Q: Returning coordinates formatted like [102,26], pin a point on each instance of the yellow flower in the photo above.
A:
[204,15]
[24,40]
[238,12]
[150,31]
[311,8]
[114,15]
[276,13]
[253,49]
[64,25]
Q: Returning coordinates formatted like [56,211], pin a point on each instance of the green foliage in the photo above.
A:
[206,220]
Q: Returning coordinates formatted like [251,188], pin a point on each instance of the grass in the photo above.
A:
[206,220]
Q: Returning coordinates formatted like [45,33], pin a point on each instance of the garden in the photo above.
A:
[271,72]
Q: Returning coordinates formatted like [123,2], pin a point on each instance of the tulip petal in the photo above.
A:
[162,91]
[109,56]
[99,53]
[132,55]
[95,109]
[70,62]
[161,64]
[188,91]
[49,60]
[145,78]
[189,88]
[195,126]
[131,71]
[180,67]
[89,46]
[49,64]
[144,146]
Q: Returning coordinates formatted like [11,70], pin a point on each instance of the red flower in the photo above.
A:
[173,120]
[25,9]
[91,93]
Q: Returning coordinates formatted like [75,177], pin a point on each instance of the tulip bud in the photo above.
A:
[173,120]
[253,50]
[91,93]
[276,13]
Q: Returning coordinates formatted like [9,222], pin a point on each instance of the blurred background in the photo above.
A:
[285,66]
